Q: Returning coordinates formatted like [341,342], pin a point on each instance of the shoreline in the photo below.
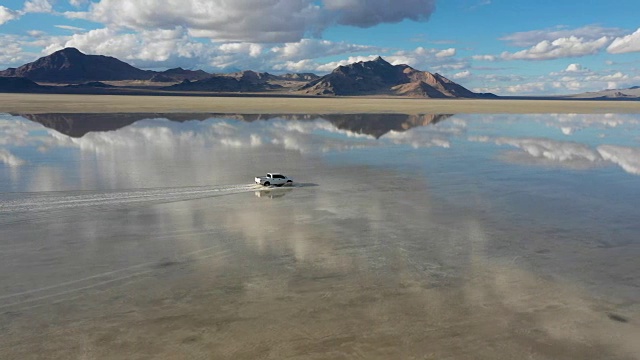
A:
[252,104]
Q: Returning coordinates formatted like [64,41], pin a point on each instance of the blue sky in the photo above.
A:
[509,47]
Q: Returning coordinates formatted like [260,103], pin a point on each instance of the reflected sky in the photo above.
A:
[396,224]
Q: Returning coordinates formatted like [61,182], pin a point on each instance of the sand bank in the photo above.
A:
[46,103]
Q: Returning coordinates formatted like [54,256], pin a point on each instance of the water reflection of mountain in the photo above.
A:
[77,125]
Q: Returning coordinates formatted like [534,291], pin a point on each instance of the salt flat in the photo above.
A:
[466,236]
[39,103]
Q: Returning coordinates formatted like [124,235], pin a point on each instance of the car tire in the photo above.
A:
[266,183]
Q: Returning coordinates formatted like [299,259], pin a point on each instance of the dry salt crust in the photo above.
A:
[39,103]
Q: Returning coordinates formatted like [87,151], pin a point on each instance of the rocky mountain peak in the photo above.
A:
[379,77]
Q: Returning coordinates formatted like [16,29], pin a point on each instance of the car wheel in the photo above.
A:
[266,183]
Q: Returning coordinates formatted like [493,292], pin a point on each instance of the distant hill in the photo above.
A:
[378,77]
[252,76]
[90,85]
[161,78]
[19,85]
[222,83]
[180,74]
[632,93]
[299,76]
[70,65]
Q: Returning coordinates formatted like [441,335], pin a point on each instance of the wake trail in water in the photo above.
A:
[45,202]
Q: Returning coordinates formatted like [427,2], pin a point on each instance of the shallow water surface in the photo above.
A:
[431,236]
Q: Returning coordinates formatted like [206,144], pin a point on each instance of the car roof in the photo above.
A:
[274,173]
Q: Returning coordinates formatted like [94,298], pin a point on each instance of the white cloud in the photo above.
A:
[462,75]
[625,44]
[36,33]
[249,49]
[78,3]
[7,15]
[253,21]
[559,48]
[446,53]
[11,51]
[484,57]
[618,76]
[70,28]
[297,66]
[312,48]
[529,88]
[588,33]
[38,6]
[574,68]
[155,48]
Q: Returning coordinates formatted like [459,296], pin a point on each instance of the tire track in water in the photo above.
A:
[32,206]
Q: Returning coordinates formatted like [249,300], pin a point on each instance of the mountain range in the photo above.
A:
[632,93]
[380,77]
[87,72]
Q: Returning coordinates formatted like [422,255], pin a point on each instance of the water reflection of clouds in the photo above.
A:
[626,157]
[571,154]
[546,148]
[304,136]
[570,123]
[165,139]
[9,159]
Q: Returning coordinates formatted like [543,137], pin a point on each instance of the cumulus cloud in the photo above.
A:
[153,47]
[588,33]
[529,88]
[617,76]
[484,57]
[559,48]
[312,48]
[625,44]
[446,53]
[7,15]
[574,68]
[462,75]
[38,6]
[11,51]
[253,21]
